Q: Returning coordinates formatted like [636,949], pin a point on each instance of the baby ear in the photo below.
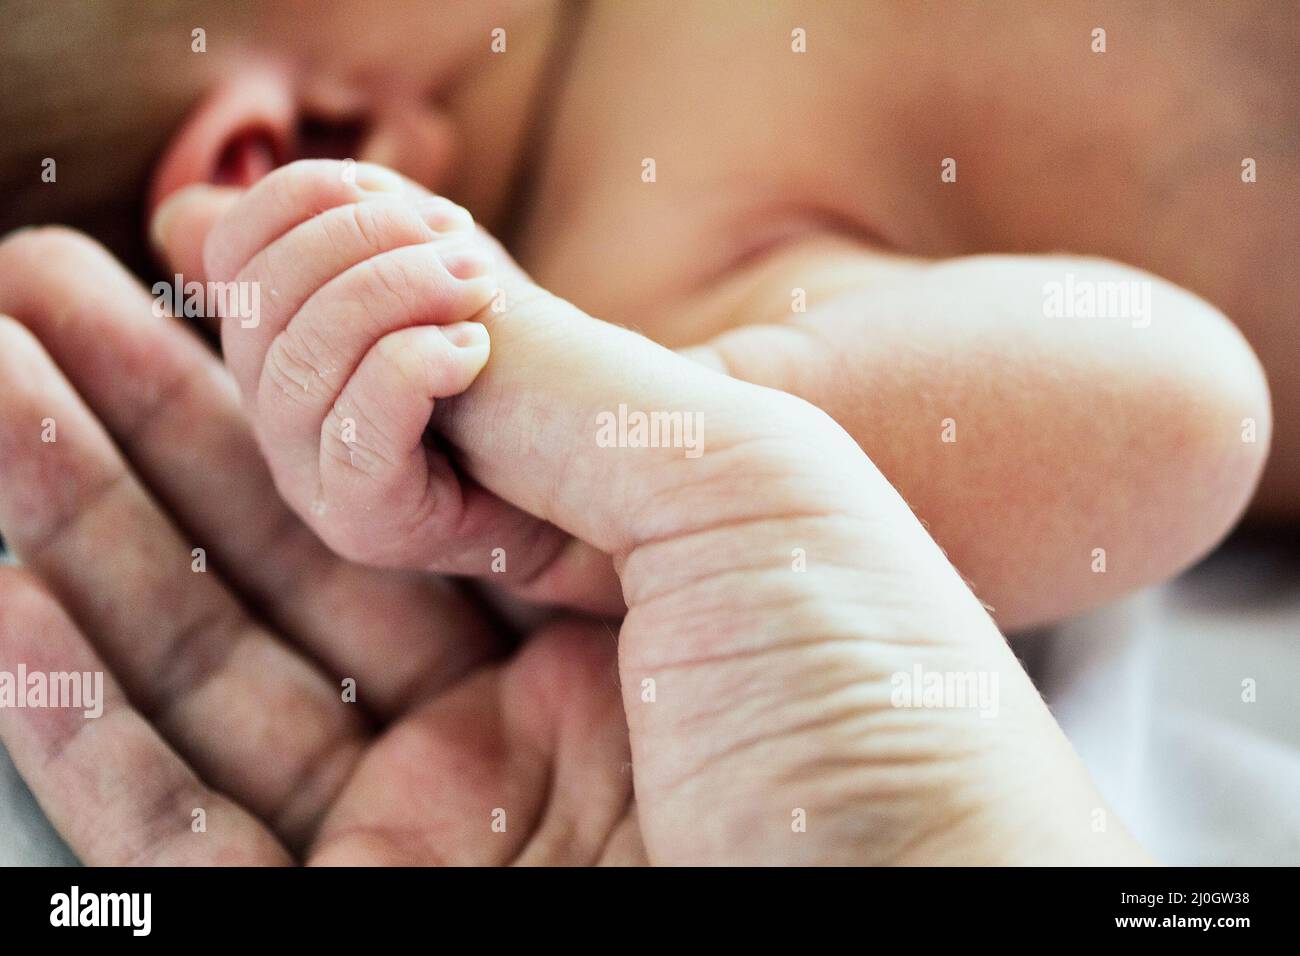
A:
[264,116]
[244,128]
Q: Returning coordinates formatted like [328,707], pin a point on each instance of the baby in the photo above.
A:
[773,196]
[729,207]
[385,300]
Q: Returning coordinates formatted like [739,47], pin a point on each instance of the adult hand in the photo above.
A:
[764,727]
[225,688]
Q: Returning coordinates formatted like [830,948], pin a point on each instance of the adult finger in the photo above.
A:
[114,789]
[245,709]
[173,410]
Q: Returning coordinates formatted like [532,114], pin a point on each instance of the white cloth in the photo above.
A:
[1153,693]
[26,838]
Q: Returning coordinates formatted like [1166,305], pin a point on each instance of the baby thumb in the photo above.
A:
[181,224]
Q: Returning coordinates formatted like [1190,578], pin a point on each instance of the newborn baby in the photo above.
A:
[731,207]
[384,300]
[773,204]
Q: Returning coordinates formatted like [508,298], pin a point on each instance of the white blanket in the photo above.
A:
[1156,695]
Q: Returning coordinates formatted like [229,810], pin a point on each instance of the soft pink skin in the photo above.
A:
[770,684]
[1068,434]
[344,294]
[1074,434]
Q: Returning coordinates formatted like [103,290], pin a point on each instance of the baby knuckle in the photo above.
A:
[392,280]
[355,443]
[362,224]
[292,369]
[382,224]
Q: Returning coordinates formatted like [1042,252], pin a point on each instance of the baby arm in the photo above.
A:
[1059,461]
[749,655]
[375,297]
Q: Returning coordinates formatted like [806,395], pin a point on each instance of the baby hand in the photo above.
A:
[377,300]
[368,290]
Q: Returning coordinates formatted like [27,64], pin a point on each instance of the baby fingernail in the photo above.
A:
[444,215]
[376,179]
[470,336]
[467,263]
[482,291]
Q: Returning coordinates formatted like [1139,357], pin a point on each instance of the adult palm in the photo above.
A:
[751,704]
[266,701]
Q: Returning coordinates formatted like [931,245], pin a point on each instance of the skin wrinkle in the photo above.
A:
[788,738]
[51,540]
[158,829]
[565,790]
[290,369]
[684,604]
[651,504]
[870,704]
[748,714]
[62,753]
[412,231]
[880,532]
[78,246]
[55,754]
[696,541]
[333,446]
[304,800]
[196,653]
